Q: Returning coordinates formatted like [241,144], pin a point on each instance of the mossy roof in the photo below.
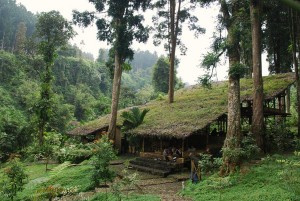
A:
[194,108]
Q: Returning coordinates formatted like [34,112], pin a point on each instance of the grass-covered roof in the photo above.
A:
[194,108]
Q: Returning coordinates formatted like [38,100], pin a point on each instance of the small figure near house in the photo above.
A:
[167,154]
[195,169]
[176,152]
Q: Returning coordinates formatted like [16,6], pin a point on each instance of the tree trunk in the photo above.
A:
[172,53]
[115,96]
[294,26]
[233,136]
[258,115]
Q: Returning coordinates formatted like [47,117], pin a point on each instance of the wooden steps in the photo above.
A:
[152,166]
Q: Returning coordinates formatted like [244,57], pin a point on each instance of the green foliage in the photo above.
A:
[278,136]
[133,118]
[14,134]
[210,59]
[277,22]
[237,70]
[122,36]
[205,163]
[103,154]
[205,81]
[52,144]
[246,151]
[53,32]
[64,179]
[160,78]
[8,65]
[269,180]
[52,191]
[74,152]
[11,15]
[15,179]
[125,184]
[232,152]
[162,23]
[249,148]
[209,64]
[145,94]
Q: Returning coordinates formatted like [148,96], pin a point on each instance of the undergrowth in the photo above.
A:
[274,178]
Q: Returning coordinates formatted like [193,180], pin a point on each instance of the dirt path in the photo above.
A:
[167,188]
[166,191]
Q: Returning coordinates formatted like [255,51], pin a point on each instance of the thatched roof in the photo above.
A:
[194,108]
[90,127]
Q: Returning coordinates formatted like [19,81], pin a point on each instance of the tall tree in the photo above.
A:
[231,22]
[294,19]
[11,15]
[160,72]
[173,14]
[233,136]
[277,38]
[121,25]
[258,114]
[20,38]
[53,31]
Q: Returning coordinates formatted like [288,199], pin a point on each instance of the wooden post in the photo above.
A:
[288,100]
[161,149]
[143,149]
[182,152]
[207,135]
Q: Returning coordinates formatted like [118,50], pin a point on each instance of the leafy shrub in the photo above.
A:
[296,143]
[249,148]
[53,191]
[233,154]
[75,153]
[14,179]
[103,154]
[35,152]
[205,162]
[278,137]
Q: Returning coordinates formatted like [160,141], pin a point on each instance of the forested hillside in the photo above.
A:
[81,86]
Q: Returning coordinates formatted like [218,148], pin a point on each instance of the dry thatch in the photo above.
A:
[194,108]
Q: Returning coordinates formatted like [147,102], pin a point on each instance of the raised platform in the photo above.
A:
[155,166]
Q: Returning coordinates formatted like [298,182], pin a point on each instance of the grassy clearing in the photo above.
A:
[275,178]
[73,178]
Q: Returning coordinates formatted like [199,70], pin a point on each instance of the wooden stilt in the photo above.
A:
[182,147]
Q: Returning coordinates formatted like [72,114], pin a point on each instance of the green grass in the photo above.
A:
[268,181]
[274,178]
[71,177]
[194,108]
[68,177]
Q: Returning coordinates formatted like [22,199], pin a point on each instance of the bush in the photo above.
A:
[53,191]
[75,153]
[14,179]
[278,137]
[249,148]
[103,154]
